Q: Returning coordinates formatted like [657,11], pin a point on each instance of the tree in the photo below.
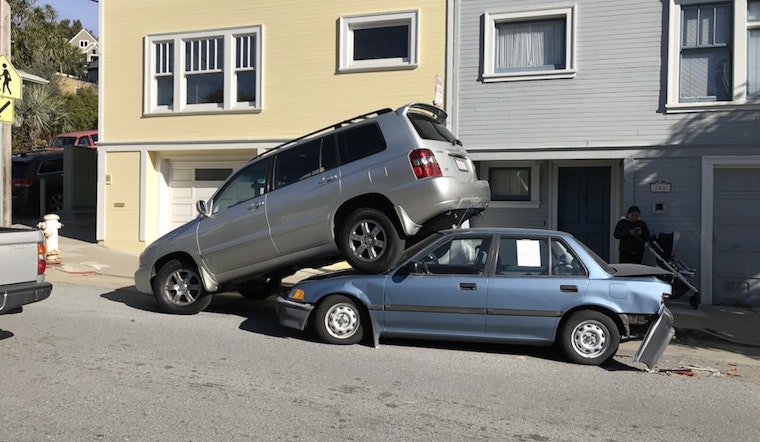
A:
[81,109]
[38,117]
[40,45]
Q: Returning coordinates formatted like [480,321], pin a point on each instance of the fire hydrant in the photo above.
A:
[49,228]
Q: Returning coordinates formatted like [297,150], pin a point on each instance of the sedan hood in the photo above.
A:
[334,274]
[624,270]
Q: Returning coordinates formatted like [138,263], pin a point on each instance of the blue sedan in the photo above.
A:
[519,286]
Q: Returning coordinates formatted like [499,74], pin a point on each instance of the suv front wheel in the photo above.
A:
[370,241]
[179,289]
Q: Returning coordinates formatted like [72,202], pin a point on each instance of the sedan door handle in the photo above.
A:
[468,286]
[256,205]
[328,179]
[568,288]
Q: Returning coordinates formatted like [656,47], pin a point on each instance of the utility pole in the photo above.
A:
[5,134]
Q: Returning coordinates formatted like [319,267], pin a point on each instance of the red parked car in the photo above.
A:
[82,138]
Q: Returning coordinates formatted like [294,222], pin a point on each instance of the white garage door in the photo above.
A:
[736,244]
[191,181]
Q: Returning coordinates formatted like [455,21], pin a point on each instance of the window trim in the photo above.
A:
[491,19]
[535,183]
[346,26]
[739,61]
[180,105]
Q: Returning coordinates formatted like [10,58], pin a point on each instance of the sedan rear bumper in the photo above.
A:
[293,314]
[657,338]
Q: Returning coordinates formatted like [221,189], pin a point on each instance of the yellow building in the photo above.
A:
[190,90]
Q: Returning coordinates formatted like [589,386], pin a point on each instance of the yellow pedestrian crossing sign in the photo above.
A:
[10,79]
[6,110]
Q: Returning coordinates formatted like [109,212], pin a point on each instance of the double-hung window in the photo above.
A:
[384,41]
[714,54]
[513,184]
[529,45]
[210,71]
[706,48]
[753,50]
[510,183]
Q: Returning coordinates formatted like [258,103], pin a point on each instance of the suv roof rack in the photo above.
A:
[330,127]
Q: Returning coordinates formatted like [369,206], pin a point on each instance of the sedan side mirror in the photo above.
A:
[416,267]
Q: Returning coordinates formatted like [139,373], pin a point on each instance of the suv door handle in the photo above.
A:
[328,179]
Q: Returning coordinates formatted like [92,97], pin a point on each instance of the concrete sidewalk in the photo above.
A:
[88,263]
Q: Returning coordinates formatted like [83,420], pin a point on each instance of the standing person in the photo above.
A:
[633,235]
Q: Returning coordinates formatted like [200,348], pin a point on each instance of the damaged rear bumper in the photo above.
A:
[657,339]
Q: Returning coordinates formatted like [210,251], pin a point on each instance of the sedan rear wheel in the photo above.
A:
[590,337]
[339,321]
[179,289]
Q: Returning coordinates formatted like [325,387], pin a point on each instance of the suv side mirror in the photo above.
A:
[201,207]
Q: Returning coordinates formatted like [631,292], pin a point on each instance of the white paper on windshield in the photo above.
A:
[528,253]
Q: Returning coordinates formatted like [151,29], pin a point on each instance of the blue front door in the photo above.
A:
[583,206]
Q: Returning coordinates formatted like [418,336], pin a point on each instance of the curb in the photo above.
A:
[706,334]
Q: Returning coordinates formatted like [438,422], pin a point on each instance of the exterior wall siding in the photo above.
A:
[302,91]
[121,200]
[616,99]
[613,110]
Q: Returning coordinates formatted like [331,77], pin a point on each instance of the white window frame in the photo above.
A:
[491,19]
[347,25]
[535,183]
[738,63]
[180,105]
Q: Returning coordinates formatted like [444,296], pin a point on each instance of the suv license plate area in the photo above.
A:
[461,164]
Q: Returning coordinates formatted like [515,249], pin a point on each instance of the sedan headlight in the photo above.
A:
[296,293]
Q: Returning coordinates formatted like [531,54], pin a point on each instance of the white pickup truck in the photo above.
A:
[22,268]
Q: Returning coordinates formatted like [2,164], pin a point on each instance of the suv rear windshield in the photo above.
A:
[19,169]
[429,128]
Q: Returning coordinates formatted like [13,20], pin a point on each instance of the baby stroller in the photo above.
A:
[662,247]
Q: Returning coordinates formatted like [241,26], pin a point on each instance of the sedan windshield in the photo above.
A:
[602,263]
[411,251]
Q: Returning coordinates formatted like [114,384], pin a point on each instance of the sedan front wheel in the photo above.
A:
[339,321]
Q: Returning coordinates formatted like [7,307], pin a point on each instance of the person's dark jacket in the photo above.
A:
[632,243]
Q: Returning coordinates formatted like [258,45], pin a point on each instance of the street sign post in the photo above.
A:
[10,90]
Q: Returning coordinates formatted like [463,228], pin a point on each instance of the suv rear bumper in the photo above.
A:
[17,295]
[456,202]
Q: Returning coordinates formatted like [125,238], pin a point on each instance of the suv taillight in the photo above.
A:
[424,163]
[22,182]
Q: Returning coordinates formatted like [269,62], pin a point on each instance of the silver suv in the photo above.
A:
[361,190]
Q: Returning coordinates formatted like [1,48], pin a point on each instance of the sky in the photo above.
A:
[85,11]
